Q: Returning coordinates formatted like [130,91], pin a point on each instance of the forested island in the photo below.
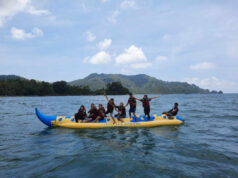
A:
[95,84]
[24,87]
[140,84]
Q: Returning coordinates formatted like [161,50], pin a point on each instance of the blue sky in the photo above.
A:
[185,40]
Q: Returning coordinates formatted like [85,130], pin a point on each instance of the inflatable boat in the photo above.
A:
[142,121]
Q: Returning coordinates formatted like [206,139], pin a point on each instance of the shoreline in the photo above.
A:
[122,95]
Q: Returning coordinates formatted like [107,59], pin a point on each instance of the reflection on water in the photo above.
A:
[170,132]
[206,145]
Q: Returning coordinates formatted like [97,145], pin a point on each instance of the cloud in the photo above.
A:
[103,1]
[34,11]
[133,57]
[202,66]
[161,58]
[90,36]
[132,54]
[113,17]
[37,32]
[213,83]
[128,4]
[9,8]
[104,44]
[19,34]
[100,58]
[141,65]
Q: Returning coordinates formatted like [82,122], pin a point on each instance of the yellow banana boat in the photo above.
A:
[69,121]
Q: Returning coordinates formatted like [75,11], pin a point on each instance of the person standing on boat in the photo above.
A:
[101,113]
[121,109]
[81,114]
[93,113]
[173,111]
[146,104]
[110,107]
[132,102]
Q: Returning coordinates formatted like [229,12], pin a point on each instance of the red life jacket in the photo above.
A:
[146,103]
[110,107]
[101,112]
[132,102]
[93,112]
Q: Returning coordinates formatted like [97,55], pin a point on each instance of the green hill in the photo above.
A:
[12,85]
[10,77]
[138,84]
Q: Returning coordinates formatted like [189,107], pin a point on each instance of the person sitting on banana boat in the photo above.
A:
[173,111]
[93,113]
[81,114]
[146,104]
[132,103]
[101,113]
[121,109]
[110,107]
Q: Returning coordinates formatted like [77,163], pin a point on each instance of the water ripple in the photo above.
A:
[205,146]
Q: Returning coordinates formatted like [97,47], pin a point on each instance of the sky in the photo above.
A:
[177,40]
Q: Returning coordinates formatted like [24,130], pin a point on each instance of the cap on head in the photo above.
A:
[176,104]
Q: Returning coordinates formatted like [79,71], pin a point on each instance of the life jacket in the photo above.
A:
[110,107]
[102,112]
[146,103]
[81,113]
[122,109]
[132,102]
[174,111]
[93,112]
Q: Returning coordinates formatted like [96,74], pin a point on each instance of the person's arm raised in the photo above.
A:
[154,97]
[137,99]
[106,96]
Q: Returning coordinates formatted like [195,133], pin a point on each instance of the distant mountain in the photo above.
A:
[10,77]
[138,84]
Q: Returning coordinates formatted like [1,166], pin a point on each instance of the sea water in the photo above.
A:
[206,145]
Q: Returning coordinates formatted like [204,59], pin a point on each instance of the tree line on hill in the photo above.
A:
[23,87]
[139,84]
